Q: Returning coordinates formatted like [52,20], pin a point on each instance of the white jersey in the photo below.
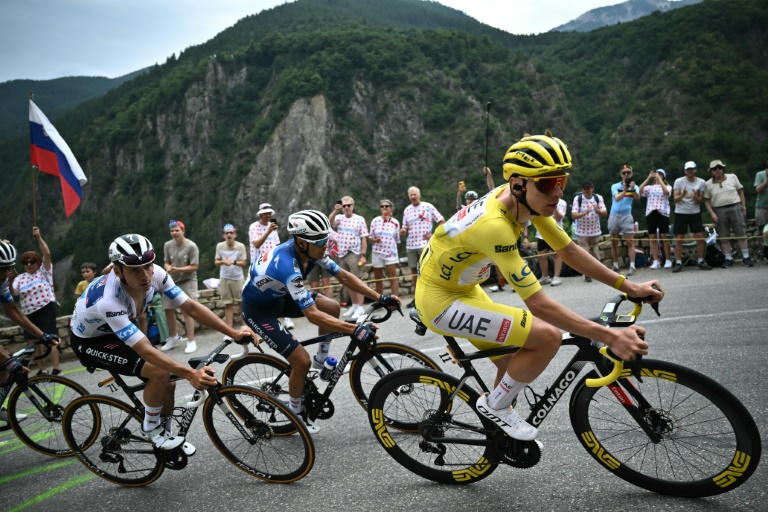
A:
[106,307]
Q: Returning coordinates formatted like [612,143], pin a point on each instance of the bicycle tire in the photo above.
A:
[119,454]
[41,428]
[266,455]
[363,374]
[411,396]
[259,371]
[709,441]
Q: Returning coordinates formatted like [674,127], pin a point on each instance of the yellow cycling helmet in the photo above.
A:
[537,156]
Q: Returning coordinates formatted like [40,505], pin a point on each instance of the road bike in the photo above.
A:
[253,430]
[35,405]
[658,425]
[368,363]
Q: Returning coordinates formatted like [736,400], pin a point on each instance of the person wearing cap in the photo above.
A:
[761,202]
[724,198]
[352,246]
[687,193]
[263,233]
[230,257]
[620,220]
[181,259]
[263,238]
[656,189]
[586,210]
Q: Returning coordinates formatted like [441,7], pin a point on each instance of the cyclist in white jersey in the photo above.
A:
[105,334]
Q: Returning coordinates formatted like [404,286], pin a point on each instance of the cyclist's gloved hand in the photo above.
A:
[364,333]
[49,339]
[389,302]
[13,365]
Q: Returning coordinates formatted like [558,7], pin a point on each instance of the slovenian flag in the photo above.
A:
[51,155]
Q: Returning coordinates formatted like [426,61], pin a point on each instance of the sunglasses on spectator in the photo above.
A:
[318,243]
[132,260]
[229,232]
[626,173]
[718,168]
[29,262]
[385,206]
[545,185]
[347,206]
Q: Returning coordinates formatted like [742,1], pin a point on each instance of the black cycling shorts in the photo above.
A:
[655,220]
[108,352]
[263,319]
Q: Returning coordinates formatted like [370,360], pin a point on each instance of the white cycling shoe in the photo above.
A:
[161,439]
[508,420]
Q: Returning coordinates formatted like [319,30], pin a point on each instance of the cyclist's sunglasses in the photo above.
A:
[136,261]
[546,185]
[318,243]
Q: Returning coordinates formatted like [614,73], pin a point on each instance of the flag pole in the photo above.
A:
[34,191]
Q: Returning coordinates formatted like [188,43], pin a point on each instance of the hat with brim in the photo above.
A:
[716,163]
[662,172]
[265,208]
[689,165]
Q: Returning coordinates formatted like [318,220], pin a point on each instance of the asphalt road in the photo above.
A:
[715,322]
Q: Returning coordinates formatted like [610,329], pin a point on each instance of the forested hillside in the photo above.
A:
[320,98]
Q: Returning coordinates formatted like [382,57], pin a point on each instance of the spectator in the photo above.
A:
[418,218]
[688,193]
[657,190]
[230,258]
[38,302]
[620,221]
[761,202]
[352,243]
[182,258]
[263,234]
[724,198]
[88,271]
[385,236]
[543,248]
[263,238]
[10,364]
[586,211]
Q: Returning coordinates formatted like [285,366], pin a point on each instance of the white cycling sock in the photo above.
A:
[295,404]
[151,418]
[505,393]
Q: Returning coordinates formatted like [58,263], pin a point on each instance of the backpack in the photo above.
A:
[580,195]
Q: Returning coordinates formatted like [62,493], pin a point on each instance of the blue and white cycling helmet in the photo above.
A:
[131,250]
[7,254]
[309,223]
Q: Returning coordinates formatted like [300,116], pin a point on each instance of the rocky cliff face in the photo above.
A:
[620,13]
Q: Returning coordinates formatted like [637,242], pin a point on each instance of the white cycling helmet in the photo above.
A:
[7,253]
[311,223]
[471,194]
[131,250]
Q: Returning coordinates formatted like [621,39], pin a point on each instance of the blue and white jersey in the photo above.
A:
[106,307]
[5,293]
[278,273]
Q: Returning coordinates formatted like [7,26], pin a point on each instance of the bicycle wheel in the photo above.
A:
[105,435]
[709,441]
[388,357]
[260,371]
[42,405]
[242,425]
[412,397]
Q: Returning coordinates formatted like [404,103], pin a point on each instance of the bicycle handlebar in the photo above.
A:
[30,350]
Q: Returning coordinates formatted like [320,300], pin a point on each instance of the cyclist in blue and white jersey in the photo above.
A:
[105,334]
[7,363]
[275,289]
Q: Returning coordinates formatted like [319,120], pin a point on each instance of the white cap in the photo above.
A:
[265,208]
[690,165]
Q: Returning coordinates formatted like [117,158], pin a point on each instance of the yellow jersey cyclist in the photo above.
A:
[459,256]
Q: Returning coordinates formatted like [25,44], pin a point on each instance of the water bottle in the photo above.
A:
[328,367]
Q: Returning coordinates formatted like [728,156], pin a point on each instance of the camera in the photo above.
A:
[273,221]
[627,181]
